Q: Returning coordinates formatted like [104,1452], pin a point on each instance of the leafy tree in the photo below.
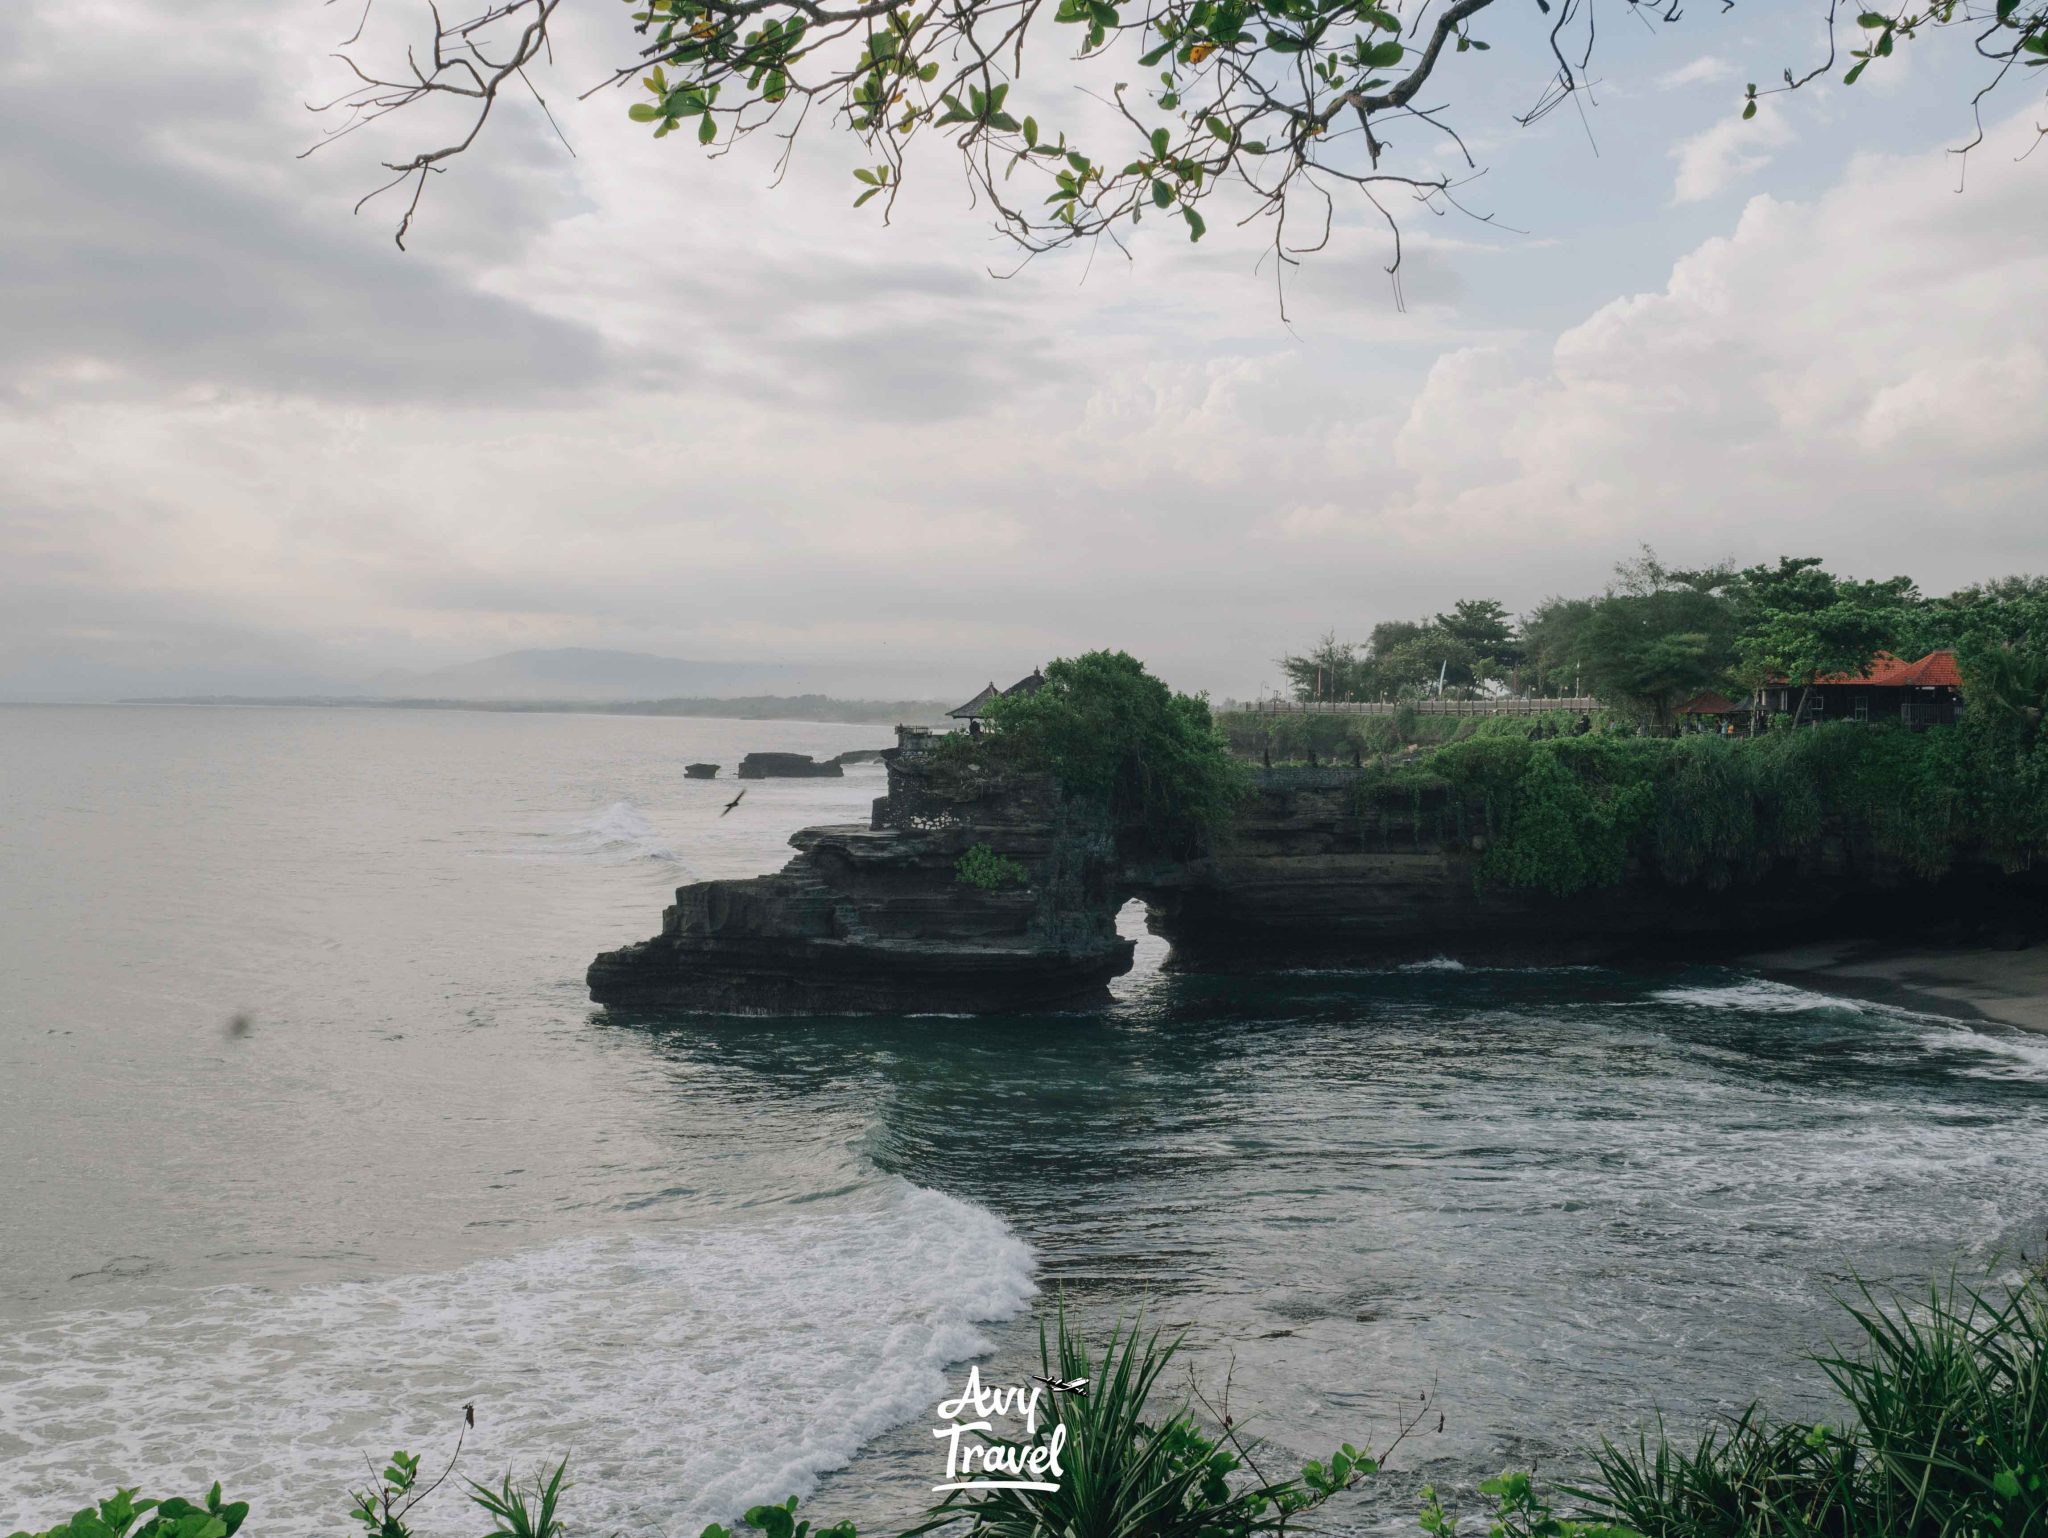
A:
[1656,650]
[1552,654]
[1473,645]
[1425,656]
[1328,671]
[1104,727]
[1484,626]
[1277,104]
[1801,623]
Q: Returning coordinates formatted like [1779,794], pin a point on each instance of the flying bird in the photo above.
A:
[735,801]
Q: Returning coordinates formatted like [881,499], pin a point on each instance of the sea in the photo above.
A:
[310,1138]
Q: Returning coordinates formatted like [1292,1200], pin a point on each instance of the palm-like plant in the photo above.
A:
[524,1511]
[1132,1468]
[2009,681]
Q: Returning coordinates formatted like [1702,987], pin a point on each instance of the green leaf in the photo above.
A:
[1161,193]
[2007,1484]
[1384,20]
[1748,111]
[1873,19]
[863,174]
[643,112]
[1382,56]
[1031,132]
[1161,142]
[1196,227]
[2038,43]
[1217,126]
[707,130]
[1855,70]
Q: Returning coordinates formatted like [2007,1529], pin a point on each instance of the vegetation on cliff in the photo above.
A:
[1571,813]
[1106,729]
[1567,805]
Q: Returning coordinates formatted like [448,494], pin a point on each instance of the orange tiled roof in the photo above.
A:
[1712,703]
[1935,670]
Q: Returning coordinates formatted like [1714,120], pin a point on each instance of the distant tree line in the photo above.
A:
[1660,635]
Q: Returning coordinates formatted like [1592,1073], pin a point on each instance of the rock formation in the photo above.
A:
[700,771]
[787,766]
[876,918]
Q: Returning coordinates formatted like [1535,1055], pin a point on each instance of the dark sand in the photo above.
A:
[1963,983]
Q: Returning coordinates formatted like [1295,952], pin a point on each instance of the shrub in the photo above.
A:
[118,1514]
[982,867]
[1108,730]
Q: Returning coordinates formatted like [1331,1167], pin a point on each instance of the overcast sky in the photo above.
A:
[636,399]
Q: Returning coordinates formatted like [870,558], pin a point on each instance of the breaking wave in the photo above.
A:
[620,832]
[687,1376]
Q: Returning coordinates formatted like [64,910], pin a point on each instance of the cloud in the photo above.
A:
[1850,375]
[641,400]
[149,248]
[1721,155]
[1707,69]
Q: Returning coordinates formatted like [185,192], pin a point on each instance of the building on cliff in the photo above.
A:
[975,711]
[1928,692]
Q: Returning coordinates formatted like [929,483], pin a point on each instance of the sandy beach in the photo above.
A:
[1964,982]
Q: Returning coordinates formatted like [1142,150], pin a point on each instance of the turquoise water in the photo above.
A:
[721,1261]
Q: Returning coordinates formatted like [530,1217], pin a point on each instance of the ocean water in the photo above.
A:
[309,1137]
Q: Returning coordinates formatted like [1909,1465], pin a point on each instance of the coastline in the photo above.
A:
[2006,986]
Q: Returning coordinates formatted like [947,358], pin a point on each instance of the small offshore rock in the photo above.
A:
[787,766]
[700,771]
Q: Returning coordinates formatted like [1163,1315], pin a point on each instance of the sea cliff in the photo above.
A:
[1320,865]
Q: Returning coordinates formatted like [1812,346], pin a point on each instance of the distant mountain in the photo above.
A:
[584,673]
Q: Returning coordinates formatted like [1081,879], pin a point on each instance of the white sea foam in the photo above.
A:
[620,832]
[687,1375]
[1435,964]
[1758,996]
[2010,1054]
[1997,1054]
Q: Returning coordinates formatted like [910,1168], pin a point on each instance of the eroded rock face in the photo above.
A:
[1308,874]
[874,918]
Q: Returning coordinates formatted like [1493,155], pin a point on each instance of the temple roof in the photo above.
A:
[975,708]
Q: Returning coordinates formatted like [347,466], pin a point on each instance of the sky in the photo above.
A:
[631,397]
